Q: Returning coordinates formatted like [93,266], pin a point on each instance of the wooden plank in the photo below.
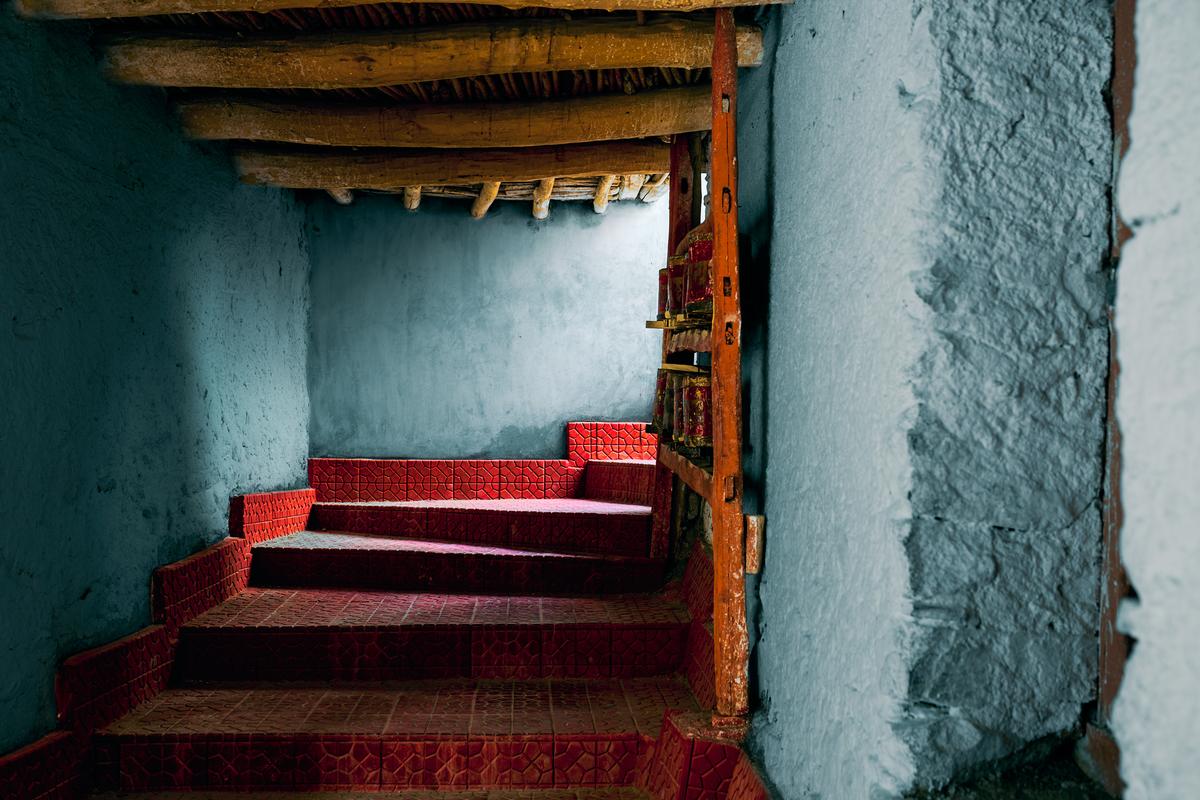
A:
[730,637]
[392,170]
[99,9]
[694,476]
[525,124]
[339,59]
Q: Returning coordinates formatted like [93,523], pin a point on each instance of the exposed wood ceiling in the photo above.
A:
[501,99]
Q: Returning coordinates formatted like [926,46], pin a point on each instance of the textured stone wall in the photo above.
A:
[1157,713]
[936,357]
[152,361]
[1006,448]
[441,336]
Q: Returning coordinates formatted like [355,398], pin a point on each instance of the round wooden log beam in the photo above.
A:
[340,59]
[661,112]
[100,9]
[392,170]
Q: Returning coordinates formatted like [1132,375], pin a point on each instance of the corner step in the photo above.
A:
[426,735]
[323,635]
[368,561]
[590,526]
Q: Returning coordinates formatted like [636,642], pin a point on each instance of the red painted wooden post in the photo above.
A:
[730,637]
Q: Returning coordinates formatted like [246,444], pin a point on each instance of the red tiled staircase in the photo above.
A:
[434,626]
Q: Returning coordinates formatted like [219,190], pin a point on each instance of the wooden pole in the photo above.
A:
[541,198]
[412,197]
[655,113]
[730,637]
[603,190]
[342,197]
[483,202]
[100,9]
[340,59]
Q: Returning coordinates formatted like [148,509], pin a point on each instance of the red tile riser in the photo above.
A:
[343,480]
[408,571]
[432,651]
[620,482]
[615,534]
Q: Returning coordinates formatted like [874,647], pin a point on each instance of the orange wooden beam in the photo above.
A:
[730,636]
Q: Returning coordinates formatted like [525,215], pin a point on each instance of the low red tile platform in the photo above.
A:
[385,562]
[272,634]
[436,734]
[577,525]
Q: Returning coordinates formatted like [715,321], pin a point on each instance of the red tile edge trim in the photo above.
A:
[97,686]
[691,760]
[51,767]
[188,588]
[268,515]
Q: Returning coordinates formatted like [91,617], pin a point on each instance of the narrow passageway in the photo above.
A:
[878,320]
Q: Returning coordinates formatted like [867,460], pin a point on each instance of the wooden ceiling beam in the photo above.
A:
[412,197]
[392,170]
[333,60]
[661,112]
[100,9]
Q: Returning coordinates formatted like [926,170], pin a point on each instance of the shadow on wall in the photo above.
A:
[437,335]
[153,361]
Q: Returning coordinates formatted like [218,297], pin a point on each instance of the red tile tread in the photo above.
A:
[413,708]
[299,609]
[370,561]
[314,634]
[573,525]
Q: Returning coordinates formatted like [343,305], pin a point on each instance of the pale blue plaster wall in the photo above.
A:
[438,335]
[152,354]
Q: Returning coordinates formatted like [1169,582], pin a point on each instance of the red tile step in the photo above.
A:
[327,634]
[371,561]
[575,525]
[454,734]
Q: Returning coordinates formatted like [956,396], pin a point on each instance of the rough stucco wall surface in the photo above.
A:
[1006,450]
[847,183]
[152,361]
[1157,712]
[437,335]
